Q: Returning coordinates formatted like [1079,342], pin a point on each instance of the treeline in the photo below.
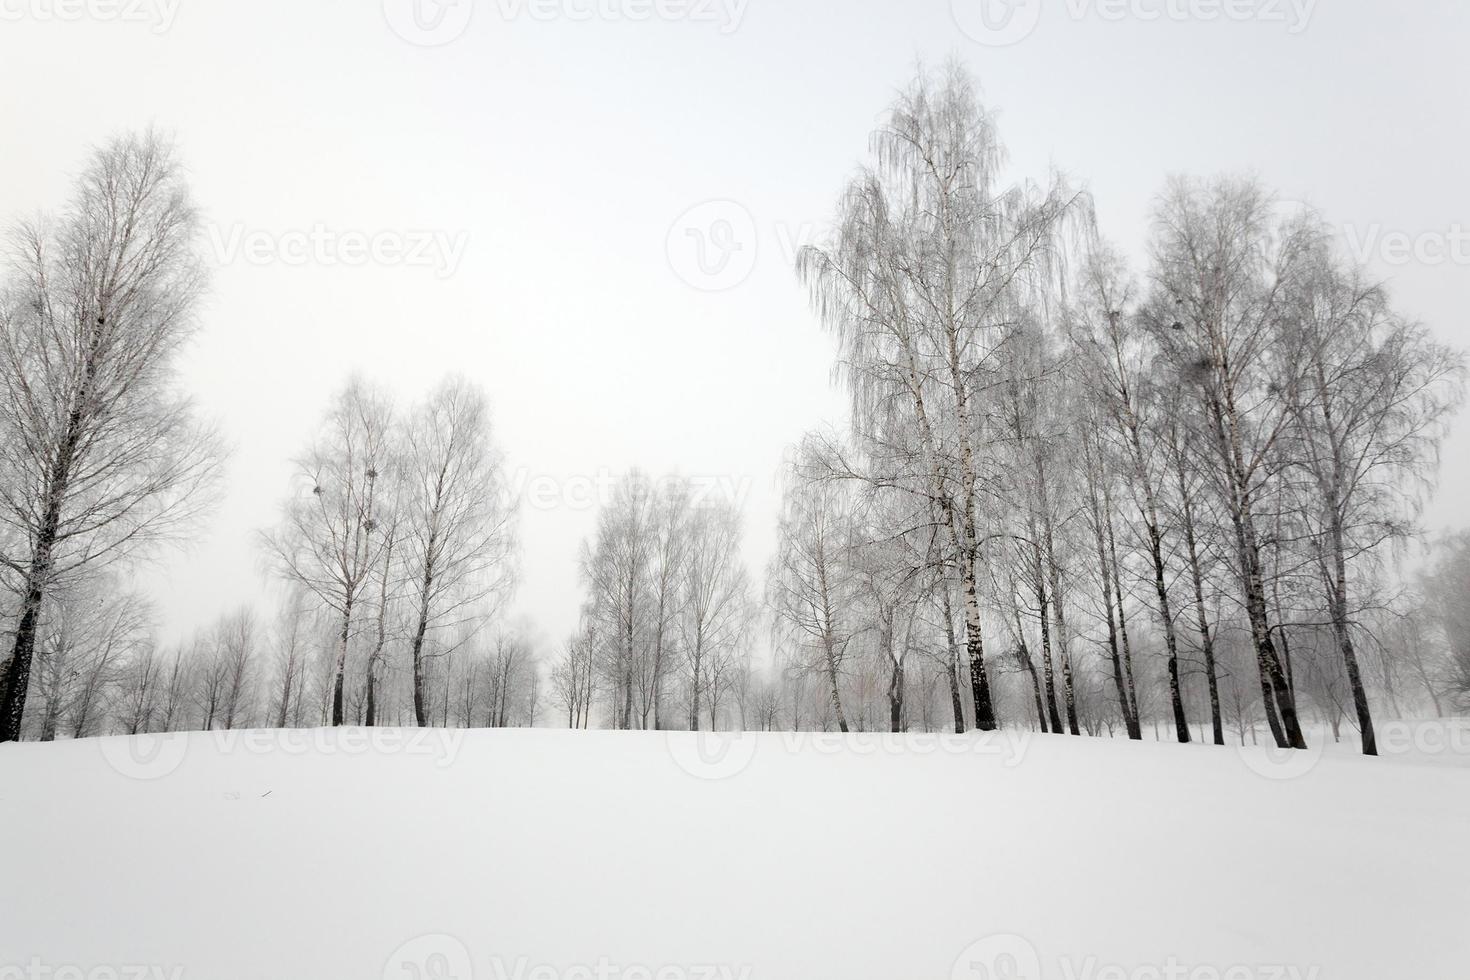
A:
[1105,496]
[1074,496]
[669,620]
[394,554]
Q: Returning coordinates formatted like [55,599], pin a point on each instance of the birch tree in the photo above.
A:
[102,457]
[1367,394]
[330,541]
[810,585]
[1221,270]
[716,609]
[930,262]
[458,531]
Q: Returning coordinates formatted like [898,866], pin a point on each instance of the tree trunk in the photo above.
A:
[18,668]
[895,698]
[1287,730]
[340,671]
[1047,669]
[1207,641]
[1343,629]
[953,673]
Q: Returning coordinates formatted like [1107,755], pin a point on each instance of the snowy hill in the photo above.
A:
[554,856]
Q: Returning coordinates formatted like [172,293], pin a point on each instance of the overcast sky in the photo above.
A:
[533,179]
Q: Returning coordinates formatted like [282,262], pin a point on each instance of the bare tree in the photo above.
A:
[1367,394]
[716,609]
[101,456]
[329,541]
[291,656]
[91,636]
[458,528]
[1221,272]
[931,262]
[616,571]
[810,583]
[238,645]
[572,679]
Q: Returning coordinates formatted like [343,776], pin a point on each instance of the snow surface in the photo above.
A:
[571,856]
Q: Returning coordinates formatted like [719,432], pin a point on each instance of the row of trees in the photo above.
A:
[1075,476]
[99,670]
[402,530]
[669,611]
[400,536]
[1070,496]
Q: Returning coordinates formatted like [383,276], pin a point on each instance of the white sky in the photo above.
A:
[566,149]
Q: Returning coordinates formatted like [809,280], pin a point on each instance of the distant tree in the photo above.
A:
[91,636]
[458,531]
[716,608]
[572,679]
[810,586]
[329,541]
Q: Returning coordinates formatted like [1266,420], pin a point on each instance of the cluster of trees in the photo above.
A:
[402,532]
[100,670]
[667,624]
[395,555]
[1071,496]
[101,456]
[1096,498]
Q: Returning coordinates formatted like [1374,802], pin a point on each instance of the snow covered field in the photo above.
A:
[555,855]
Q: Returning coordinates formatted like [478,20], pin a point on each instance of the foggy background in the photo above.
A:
[563,153]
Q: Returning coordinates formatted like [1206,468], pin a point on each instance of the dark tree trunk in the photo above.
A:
[1207,641]
[1047,669]
[14,687]
[338,715]
[953,673]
